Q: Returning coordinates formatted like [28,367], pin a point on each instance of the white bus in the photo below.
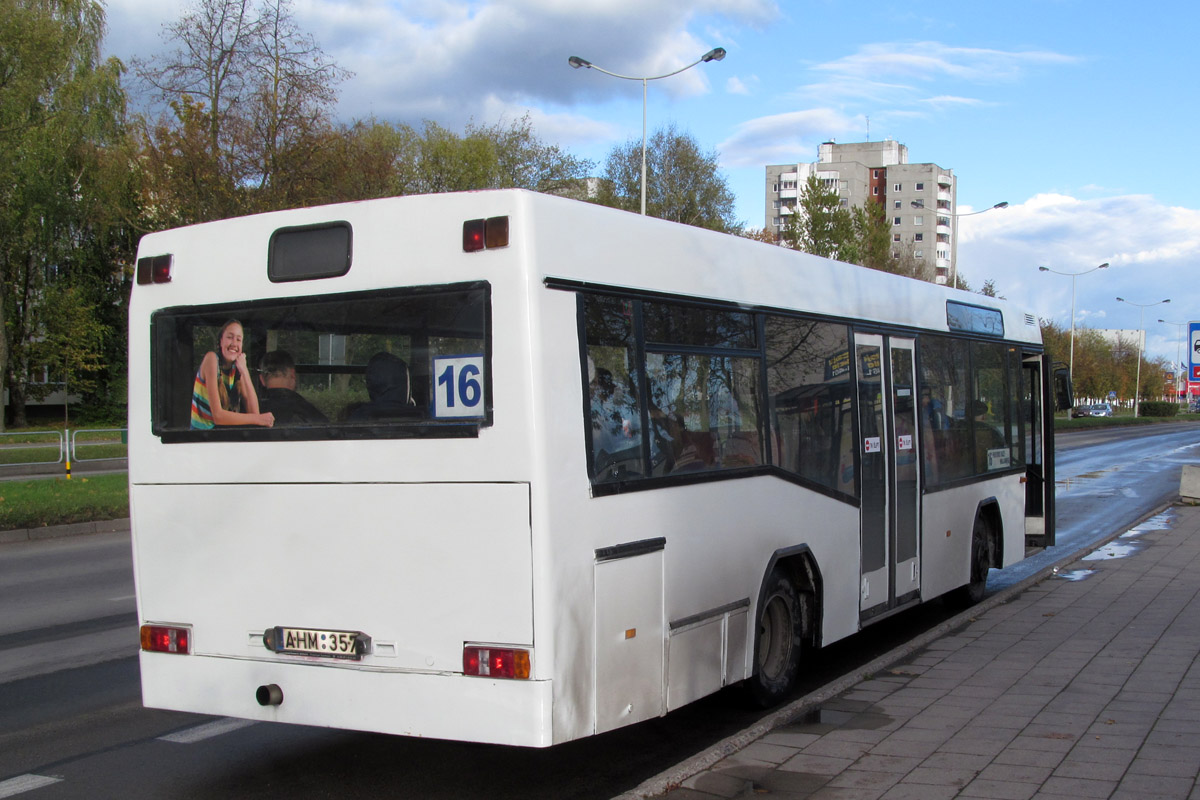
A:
[562,469]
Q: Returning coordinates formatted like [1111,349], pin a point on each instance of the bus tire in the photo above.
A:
[981,562]
[777,642]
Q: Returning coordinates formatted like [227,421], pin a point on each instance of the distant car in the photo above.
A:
[1097,410]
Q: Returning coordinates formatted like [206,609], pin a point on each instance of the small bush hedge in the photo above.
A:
[1158,408]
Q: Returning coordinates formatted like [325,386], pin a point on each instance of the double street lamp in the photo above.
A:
[1073,276]
[920,205]
[716,54]
[1137,385]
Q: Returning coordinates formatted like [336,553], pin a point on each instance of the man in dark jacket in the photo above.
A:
[389,388]
[277,374]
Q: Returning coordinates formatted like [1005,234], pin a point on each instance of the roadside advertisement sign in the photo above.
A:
[1194,351]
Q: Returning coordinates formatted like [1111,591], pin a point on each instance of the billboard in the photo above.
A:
[1193,351]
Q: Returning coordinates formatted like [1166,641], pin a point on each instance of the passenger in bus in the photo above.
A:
[223,377]
[277,373]
[389,389]
[616,428]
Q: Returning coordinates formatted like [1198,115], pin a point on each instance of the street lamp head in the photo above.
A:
[917,204]
[1043,269]
[577,62]
[1122,300]
[716,54]
[1001,205]
[1103,266]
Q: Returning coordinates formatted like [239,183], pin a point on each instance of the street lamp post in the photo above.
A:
[1073,276]
[920,205]
[716,54]
[1177,367]
[1137,384]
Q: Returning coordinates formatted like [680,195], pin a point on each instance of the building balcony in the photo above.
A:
[788,193]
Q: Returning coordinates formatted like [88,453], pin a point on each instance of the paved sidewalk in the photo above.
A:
[1083,686]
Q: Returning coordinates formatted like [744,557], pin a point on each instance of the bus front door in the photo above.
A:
[889,485]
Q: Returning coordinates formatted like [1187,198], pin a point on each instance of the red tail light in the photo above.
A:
[496,662]
[166,639]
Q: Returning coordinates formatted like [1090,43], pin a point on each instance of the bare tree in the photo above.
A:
[250,98]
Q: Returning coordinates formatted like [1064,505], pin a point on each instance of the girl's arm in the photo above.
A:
[223,416]
[246,385]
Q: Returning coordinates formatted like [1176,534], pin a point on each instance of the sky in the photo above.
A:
[1080,114]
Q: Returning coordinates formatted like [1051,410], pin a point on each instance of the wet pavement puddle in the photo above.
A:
[1125,545]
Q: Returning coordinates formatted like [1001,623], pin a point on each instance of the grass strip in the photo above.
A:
[58,501]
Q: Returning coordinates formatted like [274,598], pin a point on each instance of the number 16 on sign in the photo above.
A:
[458,391]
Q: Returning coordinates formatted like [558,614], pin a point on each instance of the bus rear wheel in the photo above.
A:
[777,643]
[981,562]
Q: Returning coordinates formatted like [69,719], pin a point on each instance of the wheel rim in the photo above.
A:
[774,639]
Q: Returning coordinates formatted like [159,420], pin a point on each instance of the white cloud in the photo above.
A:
[783,138]
[1152,250]
[447,59]
[736,85]
[928,61]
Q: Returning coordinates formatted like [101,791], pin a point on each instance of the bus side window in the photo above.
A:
[808,389]
[614,418]
[945,397]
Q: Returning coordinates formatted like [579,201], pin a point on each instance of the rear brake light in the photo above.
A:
[154,269]
[496,662]
[166,639]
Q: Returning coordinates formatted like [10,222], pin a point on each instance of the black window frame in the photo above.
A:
[164,350]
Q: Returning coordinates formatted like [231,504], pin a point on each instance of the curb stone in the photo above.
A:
[63,531]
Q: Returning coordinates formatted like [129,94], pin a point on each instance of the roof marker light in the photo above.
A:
[482,234]
[473,230]
[154,269]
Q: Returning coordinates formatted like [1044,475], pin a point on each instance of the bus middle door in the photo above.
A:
[889,486]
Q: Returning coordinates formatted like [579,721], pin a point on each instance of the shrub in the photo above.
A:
[1158,408]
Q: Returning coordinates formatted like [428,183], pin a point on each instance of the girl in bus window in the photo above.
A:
[223,393]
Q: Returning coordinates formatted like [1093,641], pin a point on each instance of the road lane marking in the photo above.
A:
[208,730]
[121,599]
[24,783]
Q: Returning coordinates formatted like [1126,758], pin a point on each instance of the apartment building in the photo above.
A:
[919,198]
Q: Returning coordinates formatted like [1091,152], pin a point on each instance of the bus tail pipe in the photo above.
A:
[269,695]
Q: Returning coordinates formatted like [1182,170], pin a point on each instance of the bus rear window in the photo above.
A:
[395,363]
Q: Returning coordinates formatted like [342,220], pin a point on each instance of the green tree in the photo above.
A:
[60,105]
[821,225]
[683,183]
[70,341]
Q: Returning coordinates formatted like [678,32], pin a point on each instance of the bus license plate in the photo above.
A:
[313,642]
